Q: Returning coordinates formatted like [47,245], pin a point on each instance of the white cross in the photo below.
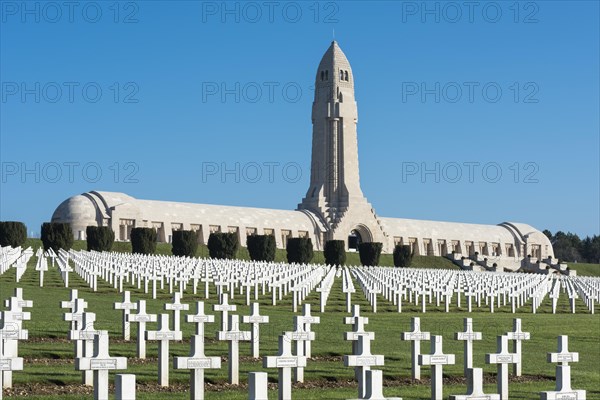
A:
[7,363]
[563,387]
[197,362]
[101,362]
[234,336]
[163,335]
[502,358]
[224,307]
[284,361]
[18,299]
[300,336]
[71,304]
[436,359]
[475,387]
[142,317]
[517,336]
[255,319]
[13,326]
[200,318]
[126,305]
[76,314]
[415,336]
[564,356]
[84,342]
[176,307]
[307,320]
[363,360]
[468,336]
[358,329]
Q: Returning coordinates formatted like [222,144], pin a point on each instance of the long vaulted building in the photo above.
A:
[334,206]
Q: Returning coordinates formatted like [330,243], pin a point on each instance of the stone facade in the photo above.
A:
[334,206]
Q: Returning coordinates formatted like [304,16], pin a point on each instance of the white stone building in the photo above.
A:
[334,206]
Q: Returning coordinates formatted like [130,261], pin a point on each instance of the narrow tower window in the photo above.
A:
[326,74]
[346,76]
[341,75]
[322,75]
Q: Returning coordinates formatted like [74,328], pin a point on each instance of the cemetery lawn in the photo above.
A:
[49,371]
[585,269]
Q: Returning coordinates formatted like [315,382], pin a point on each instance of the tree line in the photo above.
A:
[570,248]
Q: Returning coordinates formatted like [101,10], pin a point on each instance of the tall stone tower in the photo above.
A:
[334,193]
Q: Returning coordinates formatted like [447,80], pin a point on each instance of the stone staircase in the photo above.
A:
[510,264]
[548,265]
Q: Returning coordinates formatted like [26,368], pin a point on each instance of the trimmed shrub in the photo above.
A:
[402,256]
[185,243]
[143,240]
[299,250]
[223,245]
[369,253]
[261,247]
[12,233]
[99,238]
[57,235]
[335,252]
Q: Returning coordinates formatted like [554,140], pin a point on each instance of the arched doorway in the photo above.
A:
[354,239]
[358,235]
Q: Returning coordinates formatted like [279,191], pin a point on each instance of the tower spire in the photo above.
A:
[334,192]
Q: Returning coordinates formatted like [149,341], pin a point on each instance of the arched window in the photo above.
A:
[341,75]
[322,75]
[326,74]
[346,76]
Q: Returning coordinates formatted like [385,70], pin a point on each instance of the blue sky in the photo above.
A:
[156,99]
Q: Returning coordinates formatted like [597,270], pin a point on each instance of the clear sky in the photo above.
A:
[478,112]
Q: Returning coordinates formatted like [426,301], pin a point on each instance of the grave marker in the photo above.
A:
[255,319]
[517,336]
[468,336]
[415,336]
[126,305]
[197,362]
[142,317]
[163,335]
[437,359]
[502,358]
[100,363]
[284,361]
[234,336]
[177,307]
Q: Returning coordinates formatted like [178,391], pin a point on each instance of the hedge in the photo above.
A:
[299,250]
[335,252]
[223,245]
[99,238]
[57,235]
[369,253]
[402,256]
[261,247]
[12,233]
[143,240]
[185,243]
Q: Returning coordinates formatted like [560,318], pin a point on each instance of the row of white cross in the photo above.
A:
[394,284]
[94,360]
[15,258]
[421,286]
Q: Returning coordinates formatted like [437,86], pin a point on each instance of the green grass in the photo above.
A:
[585,269]
[49,357]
